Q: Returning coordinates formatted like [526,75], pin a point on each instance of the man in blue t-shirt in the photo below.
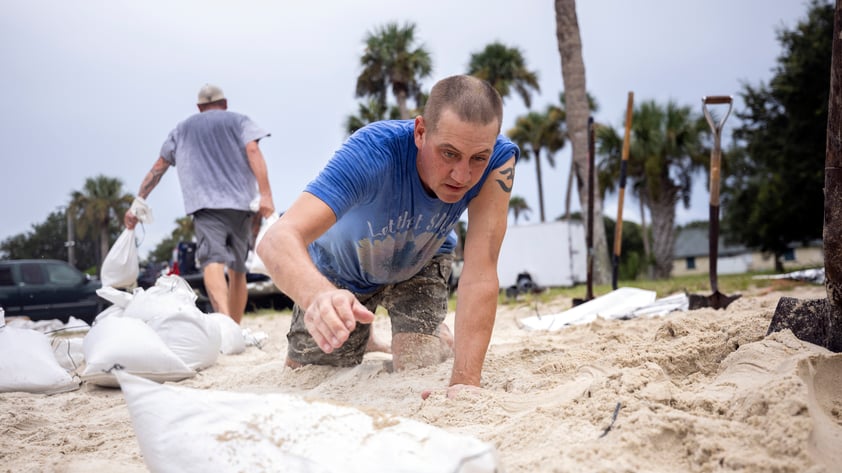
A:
[221,170]
[375,229]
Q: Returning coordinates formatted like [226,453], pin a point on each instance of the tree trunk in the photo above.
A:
[833,192]
[570,190]
[540,180]
[104,244]
[663,231]
[400,97]
[644,234]
[573,76]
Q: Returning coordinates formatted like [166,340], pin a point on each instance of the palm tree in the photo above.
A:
[518,207]
[665,151]
[392,61]
[98,210]
[505,69]
[573,76]
[534,132]
[593,106]
[368,112]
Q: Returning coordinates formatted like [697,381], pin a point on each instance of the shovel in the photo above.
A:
[716,300]
[618,229]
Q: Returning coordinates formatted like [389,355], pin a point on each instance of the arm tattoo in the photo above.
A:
[153,177]
[508,177]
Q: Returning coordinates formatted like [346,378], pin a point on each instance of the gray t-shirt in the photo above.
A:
[209,151]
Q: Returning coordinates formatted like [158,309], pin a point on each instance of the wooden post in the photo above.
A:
[833,192]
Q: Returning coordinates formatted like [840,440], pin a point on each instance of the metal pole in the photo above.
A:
[589,293]
[71,238]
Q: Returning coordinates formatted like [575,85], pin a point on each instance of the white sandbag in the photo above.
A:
[121,265]
[112,310]
[176,284]
[115,296]
[191,335]
[27,364]
[169,295]
[616,303]
[68,352]
[75,325]
[256,264]
[232,340]
[130,343]
[189,430]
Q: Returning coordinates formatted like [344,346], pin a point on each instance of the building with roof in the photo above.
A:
[691,255]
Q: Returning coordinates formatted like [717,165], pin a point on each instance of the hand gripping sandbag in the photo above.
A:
[187,430]
[121,265]
[256,265]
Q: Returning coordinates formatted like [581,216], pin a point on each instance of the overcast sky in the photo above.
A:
[93,87]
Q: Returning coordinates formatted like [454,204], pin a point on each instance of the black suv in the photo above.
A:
[48,289]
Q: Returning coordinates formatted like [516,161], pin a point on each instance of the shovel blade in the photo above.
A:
[808,319]
[717,300]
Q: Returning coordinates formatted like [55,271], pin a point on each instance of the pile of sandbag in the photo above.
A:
[157,333]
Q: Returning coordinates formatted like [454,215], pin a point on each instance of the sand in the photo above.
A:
[700,391]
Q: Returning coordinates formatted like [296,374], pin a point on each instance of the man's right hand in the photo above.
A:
[267,206]
[129,220]
[332,316]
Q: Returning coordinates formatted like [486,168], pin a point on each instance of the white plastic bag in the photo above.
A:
[256,265]
[121,265]
[187,430]
[141,210]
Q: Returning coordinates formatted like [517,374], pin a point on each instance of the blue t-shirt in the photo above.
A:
[208,150]
[387,226]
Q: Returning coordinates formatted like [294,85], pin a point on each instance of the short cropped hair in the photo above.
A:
[472,99]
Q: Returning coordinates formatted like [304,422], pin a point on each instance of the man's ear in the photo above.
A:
[420,131]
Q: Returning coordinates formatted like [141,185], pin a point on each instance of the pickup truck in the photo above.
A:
[48,289]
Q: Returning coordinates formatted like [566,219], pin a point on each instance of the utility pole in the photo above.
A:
[70,244]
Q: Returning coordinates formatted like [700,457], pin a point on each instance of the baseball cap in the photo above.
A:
[209,93]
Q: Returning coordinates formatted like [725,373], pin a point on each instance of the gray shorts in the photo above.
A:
[417,305]
[224,236]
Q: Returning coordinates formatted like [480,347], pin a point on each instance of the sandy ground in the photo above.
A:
[700,391]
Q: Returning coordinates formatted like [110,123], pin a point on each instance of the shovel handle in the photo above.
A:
[624,158]
[716,152]
[717,99]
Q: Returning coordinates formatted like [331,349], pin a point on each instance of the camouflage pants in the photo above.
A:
[417,305]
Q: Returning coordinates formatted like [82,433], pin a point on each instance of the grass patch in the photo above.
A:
[729,284]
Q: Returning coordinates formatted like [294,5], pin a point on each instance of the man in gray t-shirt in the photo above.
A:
[221,169]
